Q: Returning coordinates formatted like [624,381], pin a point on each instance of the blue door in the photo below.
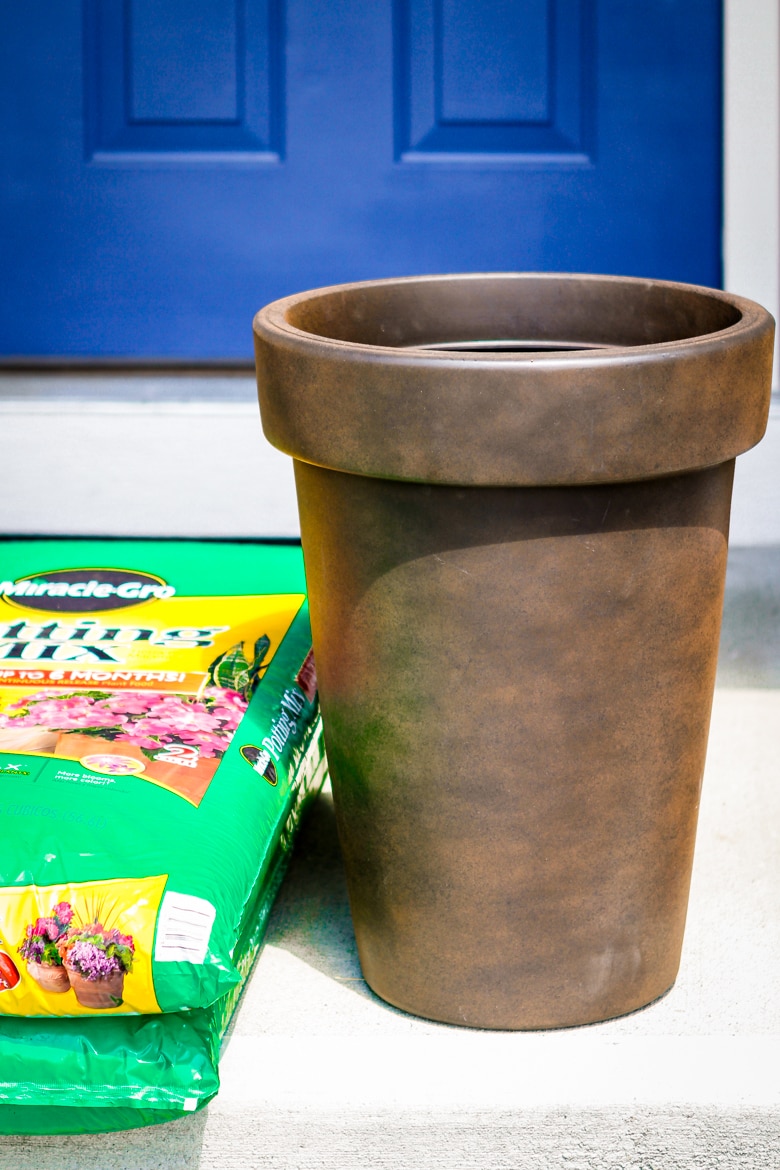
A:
[171,165]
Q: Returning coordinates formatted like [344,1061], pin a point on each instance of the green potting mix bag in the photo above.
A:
[159,731]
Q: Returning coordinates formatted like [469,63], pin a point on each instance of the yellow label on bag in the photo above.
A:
[38,924]
[163,644]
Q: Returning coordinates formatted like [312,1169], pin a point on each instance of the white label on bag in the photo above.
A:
[183,928]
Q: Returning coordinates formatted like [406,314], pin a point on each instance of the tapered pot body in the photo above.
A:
[516,656]
[516,686]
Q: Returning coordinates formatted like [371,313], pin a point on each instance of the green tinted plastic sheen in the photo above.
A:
[91,1073]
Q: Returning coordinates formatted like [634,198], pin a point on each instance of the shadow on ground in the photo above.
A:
[311,917]
[750,638]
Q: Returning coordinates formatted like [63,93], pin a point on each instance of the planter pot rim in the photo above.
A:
[681,378]
[281,315]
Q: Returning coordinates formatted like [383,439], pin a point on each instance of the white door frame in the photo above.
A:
[751,161]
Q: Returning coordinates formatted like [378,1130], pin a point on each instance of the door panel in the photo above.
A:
[170,167]
[503,78]
[183,77]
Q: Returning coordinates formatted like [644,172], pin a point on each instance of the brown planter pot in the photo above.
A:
[49,977]
[98,994]
[515,554]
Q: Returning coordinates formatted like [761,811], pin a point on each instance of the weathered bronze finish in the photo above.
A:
[516,596]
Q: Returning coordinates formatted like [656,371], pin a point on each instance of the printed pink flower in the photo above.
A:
[141,741]
[228,698]
[123,940]
[148,719]
[153,727]
[51,929]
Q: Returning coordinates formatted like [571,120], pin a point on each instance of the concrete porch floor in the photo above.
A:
[319,1073]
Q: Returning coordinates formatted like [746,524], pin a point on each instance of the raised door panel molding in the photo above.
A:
[507,81]
[178,78]
[197,42]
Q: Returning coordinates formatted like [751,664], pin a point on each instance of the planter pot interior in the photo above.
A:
[545,313]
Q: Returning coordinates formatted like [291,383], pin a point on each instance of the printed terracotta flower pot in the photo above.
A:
[514,494]
[111,757]
[49,977]
[98,994]
[27,739]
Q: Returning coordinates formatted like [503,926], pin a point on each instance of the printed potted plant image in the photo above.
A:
[175,740]
[97,959]
[39,949]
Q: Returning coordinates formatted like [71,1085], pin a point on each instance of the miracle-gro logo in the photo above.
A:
[85,590]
